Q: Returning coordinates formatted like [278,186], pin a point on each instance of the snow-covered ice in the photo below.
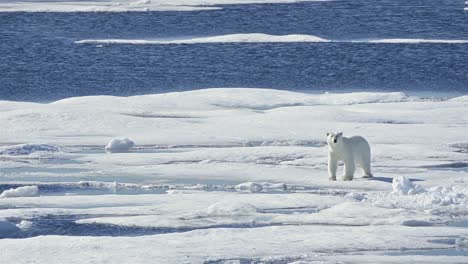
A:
[233,175]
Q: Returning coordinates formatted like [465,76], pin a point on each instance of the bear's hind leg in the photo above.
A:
[365,167]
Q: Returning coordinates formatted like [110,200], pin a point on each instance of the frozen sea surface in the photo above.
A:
[222,175]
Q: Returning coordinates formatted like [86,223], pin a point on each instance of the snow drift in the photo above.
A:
[25,191]
[28,149]
[230,208]
[402,185]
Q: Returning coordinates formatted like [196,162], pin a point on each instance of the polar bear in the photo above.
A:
[348,150]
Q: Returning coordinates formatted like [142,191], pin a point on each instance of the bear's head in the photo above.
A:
[334,138]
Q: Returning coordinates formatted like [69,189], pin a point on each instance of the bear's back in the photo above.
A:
[358,144]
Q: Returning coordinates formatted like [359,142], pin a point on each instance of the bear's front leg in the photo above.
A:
[349,170]
[332,167]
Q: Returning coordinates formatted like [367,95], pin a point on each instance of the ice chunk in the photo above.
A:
[232,208]
[25,225]
[119,145]
[249,187]
[402,185]
[255,187]
[25,191]
[27,149]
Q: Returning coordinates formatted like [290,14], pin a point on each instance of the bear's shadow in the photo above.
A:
[386,179]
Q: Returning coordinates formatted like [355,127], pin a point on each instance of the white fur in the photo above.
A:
[349,150]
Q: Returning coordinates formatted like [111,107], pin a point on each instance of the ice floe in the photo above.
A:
[125,5]
[233,38]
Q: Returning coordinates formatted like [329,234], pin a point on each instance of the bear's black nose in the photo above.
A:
[334,141]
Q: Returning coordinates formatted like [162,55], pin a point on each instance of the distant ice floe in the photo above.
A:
[215,98]
[232,38]
[25,191]
[119,145]
[126,5]
[263,38]
[28,149]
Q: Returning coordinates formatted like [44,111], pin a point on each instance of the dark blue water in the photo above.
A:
[40,62]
